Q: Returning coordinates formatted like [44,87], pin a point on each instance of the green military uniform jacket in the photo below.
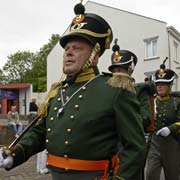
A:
[143,93]
[168,114]
[95,118]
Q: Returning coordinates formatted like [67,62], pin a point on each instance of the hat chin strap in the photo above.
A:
[95,51]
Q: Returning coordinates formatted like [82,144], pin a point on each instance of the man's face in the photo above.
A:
[13,108]
[163,89]
[75,56]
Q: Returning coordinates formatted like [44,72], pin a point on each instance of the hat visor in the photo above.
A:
[65,39]
[164,80]
[122,64]
[112,67]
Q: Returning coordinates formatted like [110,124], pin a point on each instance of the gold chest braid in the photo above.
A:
[42,108]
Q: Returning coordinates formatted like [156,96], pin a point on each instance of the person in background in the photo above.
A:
[83,117]
[122,66]
[14,122]
[164,149]
[41,162]
[33,108]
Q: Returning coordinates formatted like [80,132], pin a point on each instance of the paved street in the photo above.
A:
[27,171]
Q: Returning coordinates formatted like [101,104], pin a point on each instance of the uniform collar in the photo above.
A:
[84,76]
[164,98]
[87,74]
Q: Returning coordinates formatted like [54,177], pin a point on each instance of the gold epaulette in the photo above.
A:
[43,107]
[122,80]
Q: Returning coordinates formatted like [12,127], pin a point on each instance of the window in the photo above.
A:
[151,46]
[176,51]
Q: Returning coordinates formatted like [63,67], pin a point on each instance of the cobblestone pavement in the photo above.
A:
[26,171]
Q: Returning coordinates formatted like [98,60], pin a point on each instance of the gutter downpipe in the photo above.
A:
[169,50]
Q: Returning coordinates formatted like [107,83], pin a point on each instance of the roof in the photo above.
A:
[15,86]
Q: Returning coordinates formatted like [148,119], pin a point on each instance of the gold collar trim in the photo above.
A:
[164,98]
[86,75]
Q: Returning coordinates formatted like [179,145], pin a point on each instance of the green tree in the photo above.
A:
[3,78]
[17,66]
[28,67]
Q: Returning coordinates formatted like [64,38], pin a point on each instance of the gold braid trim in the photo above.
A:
[42,108]
[91,33]
[122,80]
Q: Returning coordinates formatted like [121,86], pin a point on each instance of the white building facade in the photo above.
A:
[150,39]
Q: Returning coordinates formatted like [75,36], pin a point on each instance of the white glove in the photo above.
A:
[163,131]
[6,162]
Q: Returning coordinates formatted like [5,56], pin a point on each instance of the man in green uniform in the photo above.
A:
[122,66]
[164,149]
[83,118]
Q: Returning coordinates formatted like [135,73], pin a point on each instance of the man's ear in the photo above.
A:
[95,60]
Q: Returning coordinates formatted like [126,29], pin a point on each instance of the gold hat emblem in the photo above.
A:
[117,57]
[78,19]
[161,73]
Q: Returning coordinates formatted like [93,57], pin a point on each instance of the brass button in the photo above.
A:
[83,88]
[59,99]
[13,154]
[55,108]
[76,106]
[47,140]
[66,142]
[72,117]
[63,90]
[49,129]
[52,118]
[69,130]
[66,169]
[80,96]
[65,155]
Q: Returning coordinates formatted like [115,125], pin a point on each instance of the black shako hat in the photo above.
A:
[90,27]
[123,58]
[164,75]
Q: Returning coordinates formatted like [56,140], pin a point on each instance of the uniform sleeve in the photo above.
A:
[175,127]
[145,108]
[32,143]
[130,131]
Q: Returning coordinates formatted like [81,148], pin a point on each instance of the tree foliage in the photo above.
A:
[2,77]
[28,67]
[17,66]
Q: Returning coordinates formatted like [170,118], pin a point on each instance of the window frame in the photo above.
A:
[151,40]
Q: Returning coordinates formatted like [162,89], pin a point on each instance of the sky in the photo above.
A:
[27,25]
